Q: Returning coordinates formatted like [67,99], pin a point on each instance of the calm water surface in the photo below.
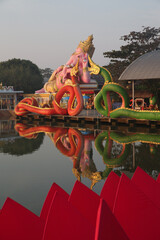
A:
[33,157]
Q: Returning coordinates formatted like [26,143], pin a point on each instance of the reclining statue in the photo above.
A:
[62,73]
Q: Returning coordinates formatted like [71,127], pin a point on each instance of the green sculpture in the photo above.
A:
[103,102]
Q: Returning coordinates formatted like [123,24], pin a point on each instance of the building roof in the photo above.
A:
[10,92]
[140,93]
[144,67]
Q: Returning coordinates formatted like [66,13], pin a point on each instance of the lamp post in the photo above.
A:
[133,93]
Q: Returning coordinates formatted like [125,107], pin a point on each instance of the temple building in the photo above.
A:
[9,98]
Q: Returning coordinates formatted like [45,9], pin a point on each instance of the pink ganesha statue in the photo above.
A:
[62,74]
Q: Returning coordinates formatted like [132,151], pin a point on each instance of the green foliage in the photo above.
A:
[137,43]
[46,73]
[22,146]
[21,74]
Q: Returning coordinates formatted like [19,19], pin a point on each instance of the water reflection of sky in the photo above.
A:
[28,167]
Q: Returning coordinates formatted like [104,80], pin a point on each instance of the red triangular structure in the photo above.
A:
[107,226]
[85,215]
[136,213]
[86,201]
[66,222]
[109,189]
[49,198]
[17,223]
[158,178]
[148,185]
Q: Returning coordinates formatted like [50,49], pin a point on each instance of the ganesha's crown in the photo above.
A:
[87,46]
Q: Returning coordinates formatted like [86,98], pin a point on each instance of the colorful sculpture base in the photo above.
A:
[28,105]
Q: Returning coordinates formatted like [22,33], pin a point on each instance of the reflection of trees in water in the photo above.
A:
[129,162]
[21,146]
[147,157]
[116,149]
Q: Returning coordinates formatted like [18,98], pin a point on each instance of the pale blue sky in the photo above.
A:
[47,32]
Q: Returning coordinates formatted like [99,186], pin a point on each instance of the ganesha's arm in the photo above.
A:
[52,77]
[85,73]
[68,66]
[71,62]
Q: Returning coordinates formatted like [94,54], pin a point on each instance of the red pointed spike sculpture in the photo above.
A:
[66,222]
[49,198]
[107,226]
[17,223]
[158,178]
[109,189]
[86,201]
[136,213]
[148,185]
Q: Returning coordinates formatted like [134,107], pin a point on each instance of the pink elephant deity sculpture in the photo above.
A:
[62,73]
[83,164]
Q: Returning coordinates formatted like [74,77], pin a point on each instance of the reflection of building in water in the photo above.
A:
[9,97]
[7,130]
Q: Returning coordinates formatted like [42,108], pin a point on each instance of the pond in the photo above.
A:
[33,157]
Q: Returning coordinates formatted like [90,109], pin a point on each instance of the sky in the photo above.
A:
[47,32]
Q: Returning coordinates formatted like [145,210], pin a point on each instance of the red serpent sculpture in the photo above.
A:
[28,105]
[32,132]
[74,136]
[60,138]
[76,146]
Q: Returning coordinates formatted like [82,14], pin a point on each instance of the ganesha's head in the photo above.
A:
[87,46]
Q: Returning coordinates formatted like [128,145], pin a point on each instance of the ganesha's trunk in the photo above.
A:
[78,96]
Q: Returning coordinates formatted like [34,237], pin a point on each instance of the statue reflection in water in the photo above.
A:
[77,145]
[114,148]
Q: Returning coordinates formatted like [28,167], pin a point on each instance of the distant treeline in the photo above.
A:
[21,74]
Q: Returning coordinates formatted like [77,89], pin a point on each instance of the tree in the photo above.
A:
[22,146]
[21,74]
[137,43]
[46,73]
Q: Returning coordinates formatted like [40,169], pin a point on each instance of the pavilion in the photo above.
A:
[145,67]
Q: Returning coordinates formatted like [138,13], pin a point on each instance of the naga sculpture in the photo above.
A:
[66,79]
[31,105]
[103,102]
